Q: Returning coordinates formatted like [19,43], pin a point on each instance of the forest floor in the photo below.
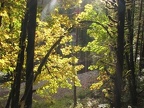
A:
[86,80]
[64,97]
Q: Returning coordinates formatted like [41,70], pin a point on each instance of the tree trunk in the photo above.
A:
[141,63]
[15,90]
[130,56]
[30,52]
[75,96]
[139,30]
[119,54]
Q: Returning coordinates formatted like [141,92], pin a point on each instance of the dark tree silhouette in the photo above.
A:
[27,30]
[15,90]
[119,54]
[32,11]
[130,56]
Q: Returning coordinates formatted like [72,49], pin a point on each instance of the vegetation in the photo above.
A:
[49,46]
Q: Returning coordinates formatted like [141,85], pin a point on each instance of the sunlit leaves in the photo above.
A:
[106,93]
[9,31]
[101,80]
[102,46]
[101,40]
[61,67]
[96,85]
[3,13]
[59,73]
[88,14]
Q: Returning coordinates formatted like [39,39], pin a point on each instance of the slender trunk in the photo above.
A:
[15,90]
[132,85]
[30,51]
[75,97]
[141,63]
[131,64]
[119,54]
[140,30]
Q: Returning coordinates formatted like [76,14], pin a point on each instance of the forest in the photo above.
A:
[48,46]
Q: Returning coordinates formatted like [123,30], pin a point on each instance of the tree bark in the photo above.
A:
[32,12]
[141,63]
[119,54]
[131,64]
[74,95]
[139,30]
[19,67]
[15,90]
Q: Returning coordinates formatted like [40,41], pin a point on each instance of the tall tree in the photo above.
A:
[31,27]
[119,54]
[15,91]
[28,29]
[130,58]
[51,33]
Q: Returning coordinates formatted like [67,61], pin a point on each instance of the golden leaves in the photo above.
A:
[4,13]
[97,85]
[58,71]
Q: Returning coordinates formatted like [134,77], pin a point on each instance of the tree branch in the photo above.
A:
[106,28]
[44,60]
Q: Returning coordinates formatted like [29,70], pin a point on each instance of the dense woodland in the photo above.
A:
[52,41]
